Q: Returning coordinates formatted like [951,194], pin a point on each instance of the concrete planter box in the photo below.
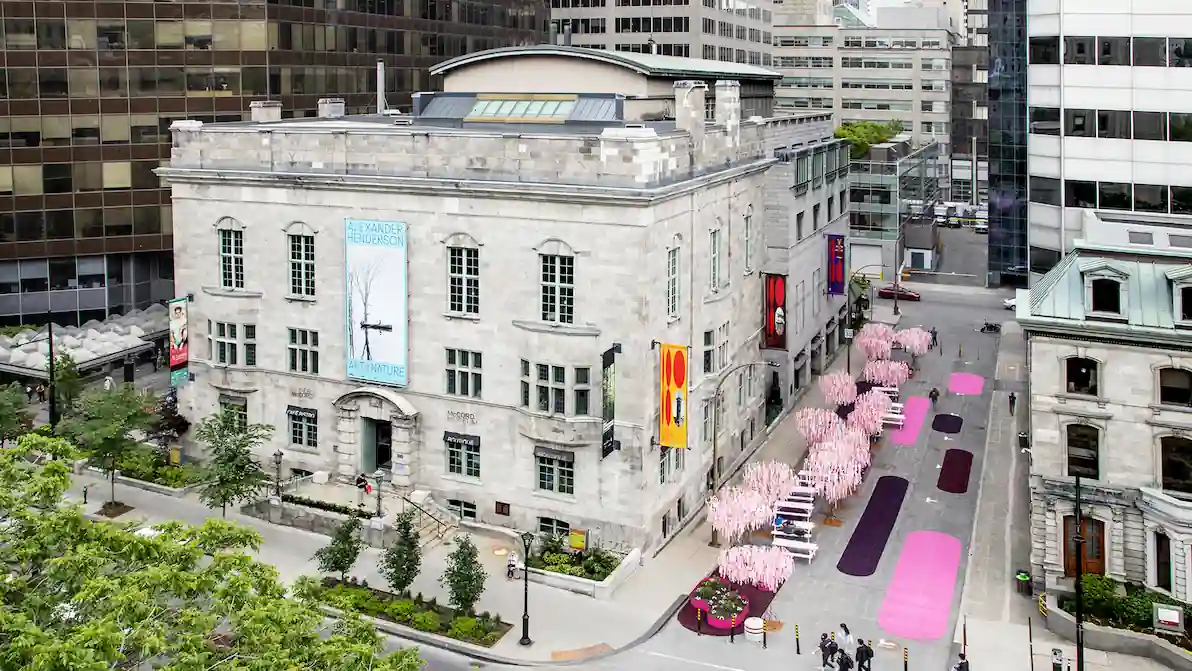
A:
[176,492]
[1123,641]
[445,642]
[376,533]
[602,590]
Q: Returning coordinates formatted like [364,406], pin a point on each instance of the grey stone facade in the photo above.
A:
[617,202]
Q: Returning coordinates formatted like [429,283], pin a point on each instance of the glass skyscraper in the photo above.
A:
[88,90]
[1007,143]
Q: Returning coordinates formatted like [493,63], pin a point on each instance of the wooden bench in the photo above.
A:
[800,549]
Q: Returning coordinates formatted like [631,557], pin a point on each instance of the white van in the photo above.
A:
[981,229]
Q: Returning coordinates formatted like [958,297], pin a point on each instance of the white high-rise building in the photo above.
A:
[1110,117]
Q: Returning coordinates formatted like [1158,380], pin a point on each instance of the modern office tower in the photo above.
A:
[738,31]
[1110,117]
[970,107]
[1007,143]
[88,91]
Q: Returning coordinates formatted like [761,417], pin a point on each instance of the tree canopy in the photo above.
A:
[232,473]
[94,596]
[865,133]
[104,424]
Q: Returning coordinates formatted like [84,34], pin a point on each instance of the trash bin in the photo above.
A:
[1023,583]
[754,626]
[1023,439]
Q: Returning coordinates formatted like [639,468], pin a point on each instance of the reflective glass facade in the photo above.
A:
[88,90]
[1007,142]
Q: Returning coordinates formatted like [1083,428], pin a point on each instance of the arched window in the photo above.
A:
[1107,296]
[1084,448]
[231,253]
[1080,376]
[1176,461]
[1175,386]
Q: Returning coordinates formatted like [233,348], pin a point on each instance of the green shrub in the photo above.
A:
[556,558]
[492,637]
[1100,596]
[427,621]
[400,610]
[552,544]
[466,628]
[327,506]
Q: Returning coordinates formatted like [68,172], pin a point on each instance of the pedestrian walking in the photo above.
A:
[511,566]
[29,392]
[864,655]
[1013,402]
[961,665]
[41,393]
[844,661]
[844,637]
[934,395]
[935,337]
[827,648]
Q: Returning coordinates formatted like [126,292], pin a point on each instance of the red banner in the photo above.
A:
[774,312]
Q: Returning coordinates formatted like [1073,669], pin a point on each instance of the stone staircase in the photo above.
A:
[435,526]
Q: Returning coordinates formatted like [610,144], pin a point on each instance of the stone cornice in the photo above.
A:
[534,191]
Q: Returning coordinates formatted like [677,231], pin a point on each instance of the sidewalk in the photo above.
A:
[146,379]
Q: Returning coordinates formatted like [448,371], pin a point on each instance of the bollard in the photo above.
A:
[906,660]
[765,628]
[85,488]
[732,629]
[797,650]
[699,621]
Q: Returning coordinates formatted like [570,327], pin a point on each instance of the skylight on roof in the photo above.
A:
[521,110]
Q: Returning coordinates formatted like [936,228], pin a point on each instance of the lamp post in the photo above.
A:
[277,457]
[852,318]
[1078,539]
[527,540]
[379,476]
[715,542]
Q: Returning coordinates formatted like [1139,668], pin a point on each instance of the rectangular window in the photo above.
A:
[545,388]
[552,527]
[1113,51]
[1045,190]
[238,406]
[466,510]
[1080,194]
[672,282]
[463,455]
[1150,198]
[231,259]
[463,279]
[304,430]
[722,346]
[749,243]
[302,265]
[556,471]
[1181,200]
[1045,120]
[1113,124]
[1115,196]
[1150,51]
[1150,125]
[714,260]
[1180,126]
[1179,52]
[1079,50]
[558,288]
[303,351]
[709,351]
[1045,51]
[225,341]
[705,429]
[581,391]
[1162,561]
[463,373]
[799,226]
[1079,123]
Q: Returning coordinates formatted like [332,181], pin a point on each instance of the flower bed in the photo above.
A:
[1104,605]
[144,465]
[723,606]
[591,564]
[328,506]
[423,615]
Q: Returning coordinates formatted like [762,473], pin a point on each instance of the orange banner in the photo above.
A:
[672,416]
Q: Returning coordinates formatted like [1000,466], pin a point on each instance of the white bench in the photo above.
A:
[800,549]
[801,497]
[802,490]
[892,392]
[794,514]
[893,420]
[803,526]
[897,408]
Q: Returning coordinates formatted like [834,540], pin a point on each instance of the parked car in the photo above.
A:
[981,229]
[903,293]
[1010,303]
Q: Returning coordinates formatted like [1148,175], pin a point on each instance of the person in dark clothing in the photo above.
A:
[864,655]
[934,395]
[844,661]
[961,665]
[1013,402]
[935,337]
[827,650]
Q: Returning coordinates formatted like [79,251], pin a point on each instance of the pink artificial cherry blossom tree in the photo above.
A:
[838,466]
[815,423]
[772,479]
[838,388]
[874,347]
[766,567]
[877,330]
[868,412]
[887,373]
[735,511]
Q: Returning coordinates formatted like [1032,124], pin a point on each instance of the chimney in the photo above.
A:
[689,109]
[567,33]
[265,110]
[331,108]
[728,105]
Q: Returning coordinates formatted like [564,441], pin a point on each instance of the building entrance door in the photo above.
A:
[1094,545]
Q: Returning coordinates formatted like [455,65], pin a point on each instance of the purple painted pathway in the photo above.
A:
[915,414]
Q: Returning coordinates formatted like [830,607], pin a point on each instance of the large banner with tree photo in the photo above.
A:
[378,294]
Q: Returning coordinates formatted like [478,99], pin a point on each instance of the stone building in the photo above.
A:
[1110,401]
[524,238]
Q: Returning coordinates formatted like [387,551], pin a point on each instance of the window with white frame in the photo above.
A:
[463,454]
[709,351]
[670,464]
[553,527]
[672,282]
[303,351]
[722,346]
[546,388]
[466,510]
[302,265]
[464,373]
[304,428]
[231,258]
[714,260]
[237,405]
[741,389]
[558,288]
[581,391]
[463,279]
[232,344]
[555,470]
[705,429]
[748,239]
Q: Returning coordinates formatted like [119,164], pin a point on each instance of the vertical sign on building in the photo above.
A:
[774,312]
[375,263]
[672,415]
[608,399]
[836,265]
[179,341]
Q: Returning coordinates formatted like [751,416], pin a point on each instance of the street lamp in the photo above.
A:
[1079,541]
[852,317]
[277,457]
[379,476]
[716,428]
[527,540]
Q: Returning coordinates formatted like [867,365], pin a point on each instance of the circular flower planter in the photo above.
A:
[699,604]
[717,623]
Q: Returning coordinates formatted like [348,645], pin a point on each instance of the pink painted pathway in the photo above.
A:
[966,384]
[914,415]
[918,603]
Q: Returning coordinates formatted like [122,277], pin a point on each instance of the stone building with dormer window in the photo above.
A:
[1109,338]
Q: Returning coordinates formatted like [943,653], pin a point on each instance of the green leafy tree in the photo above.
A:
[84,596]
[464,576]
[104,423]
[232,472]
[862,134]
[340,555]
[168,426]
[15,418]
[68,384]
[402,560]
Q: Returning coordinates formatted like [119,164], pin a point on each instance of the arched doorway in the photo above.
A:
[377,429]
[1093,531]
